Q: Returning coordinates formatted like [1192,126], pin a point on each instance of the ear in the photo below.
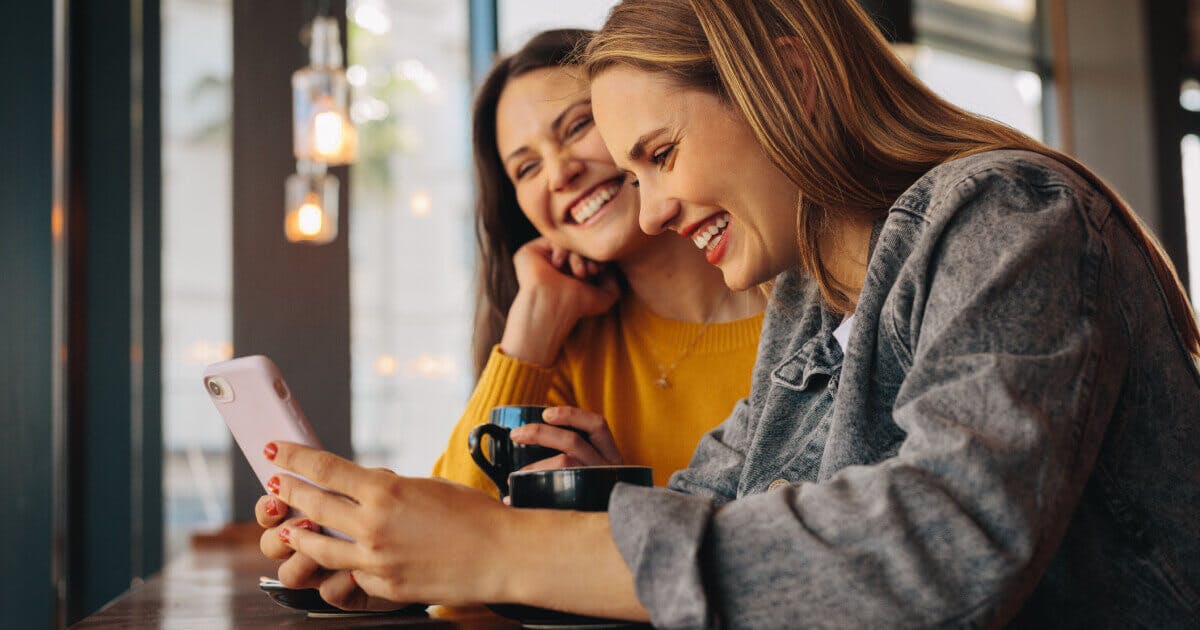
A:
[793,53]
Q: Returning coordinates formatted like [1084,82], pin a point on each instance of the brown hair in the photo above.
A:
[874,129]
[500,226]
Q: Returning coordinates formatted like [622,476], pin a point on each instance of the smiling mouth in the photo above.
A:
[709,235]
[588,206]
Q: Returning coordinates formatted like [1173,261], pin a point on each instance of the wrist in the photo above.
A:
[563,560]
[535,329]
[514,575]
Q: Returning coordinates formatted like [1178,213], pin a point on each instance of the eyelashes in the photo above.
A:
[524,170]
[659,159]
[577,127]
[581,123]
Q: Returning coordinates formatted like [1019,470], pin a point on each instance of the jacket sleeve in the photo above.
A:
[1004,405]
[504,381]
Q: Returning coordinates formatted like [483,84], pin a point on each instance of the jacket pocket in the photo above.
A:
[814,365]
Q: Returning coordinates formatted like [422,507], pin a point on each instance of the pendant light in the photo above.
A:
[322,136]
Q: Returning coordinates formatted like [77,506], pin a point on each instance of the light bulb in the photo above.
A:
[309,219]
[328,134]
[311,215]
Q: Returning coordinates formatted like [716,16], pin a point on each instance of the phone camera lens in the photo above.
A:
[215,388]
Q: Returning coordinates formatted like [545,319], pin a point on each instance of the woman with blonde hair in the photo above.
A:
[975,400]
[633,340]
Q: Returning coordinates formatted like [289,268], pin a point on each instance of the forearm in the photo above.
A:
[568,561]
[535,330]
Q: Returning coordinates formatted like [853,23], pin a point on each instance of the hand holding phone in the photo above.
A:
[259,408]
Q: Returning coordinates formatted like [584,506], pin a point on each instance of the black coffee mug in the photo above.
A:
[585,489]
[502,456]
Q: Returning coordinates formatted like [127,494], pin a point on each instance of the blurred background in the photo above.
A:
[143,207]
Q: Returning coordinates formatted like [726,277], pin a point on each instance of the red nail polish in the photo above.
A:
[273,484]
[307,524]
[272,507]
[270,450]
[284,535]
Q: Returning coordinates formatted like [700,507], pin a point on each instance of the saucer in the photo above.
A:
[534,617]
[308,600]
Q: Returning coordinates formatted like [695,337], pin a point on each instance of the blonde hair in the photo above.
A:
[873,130]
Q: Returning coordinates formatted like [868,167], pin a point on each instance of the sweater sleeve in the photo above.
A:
[1004,406]
[504,381]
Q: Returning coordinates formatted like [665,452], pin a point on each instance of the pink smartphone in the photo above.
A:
[258,407]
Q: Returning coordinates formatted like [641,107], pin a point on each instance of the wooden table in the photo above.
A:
[217,587]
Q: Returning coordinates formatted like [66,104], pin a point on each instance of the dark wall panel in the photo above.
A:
[26,40]
[291,302]
[100,141]
[115,426]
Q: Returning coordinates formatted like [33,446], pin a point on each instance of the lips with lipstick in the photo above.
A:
[709,236]
[592,201]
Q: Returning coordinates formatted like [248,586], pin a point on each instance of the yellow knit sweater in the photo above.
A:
[609,365]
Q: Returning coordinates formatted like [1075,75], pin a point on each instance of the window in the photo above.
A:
[197,260]
[1011,96]
[521,19]
[982,55]
[411,235]
[1191,211]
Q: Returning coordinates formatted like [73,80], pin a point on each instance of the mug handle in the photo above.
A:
[494,471]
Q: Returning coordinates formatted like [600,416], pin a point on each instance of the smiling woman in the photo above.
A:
[580,307]
[974,395]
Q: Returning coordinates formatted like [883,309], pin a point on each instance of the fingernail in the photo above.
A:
[284,534]
[307,524]
[270,450]
[272,507]
[273,484]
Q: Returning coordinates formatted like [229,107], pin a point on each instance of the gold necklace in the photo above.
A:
[663,381]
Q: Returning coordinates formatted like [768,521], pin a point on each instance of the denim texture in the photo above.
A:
[1011,438]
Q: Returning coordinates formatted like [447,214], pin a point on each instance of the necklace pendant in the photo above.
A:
[662,382]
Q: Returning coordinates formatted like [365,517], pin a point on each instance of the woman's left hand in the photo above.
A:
[599,449]
[415,539]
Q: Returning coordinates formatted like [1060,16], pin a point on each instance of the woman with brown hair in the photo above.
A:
[975,401]
[613,349]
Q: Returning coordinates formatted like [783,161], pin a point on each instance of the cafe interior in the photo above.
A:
[176,193]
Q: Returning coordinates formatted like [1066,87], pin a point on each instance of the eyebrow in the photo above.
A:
[554,124]
[639,147]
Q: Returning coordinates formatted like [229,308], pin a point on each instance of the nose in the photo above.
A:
[563,170]
[657,212]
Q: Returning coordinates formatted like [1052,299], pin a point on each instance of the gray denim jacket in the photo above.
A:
[1012,436]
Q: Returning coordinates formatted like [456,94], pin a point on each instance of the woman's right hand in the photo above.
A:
[300,571]
[557,288]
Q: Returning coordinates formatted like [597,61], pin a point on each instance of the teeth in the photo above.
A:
[707,238]
[588,207]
